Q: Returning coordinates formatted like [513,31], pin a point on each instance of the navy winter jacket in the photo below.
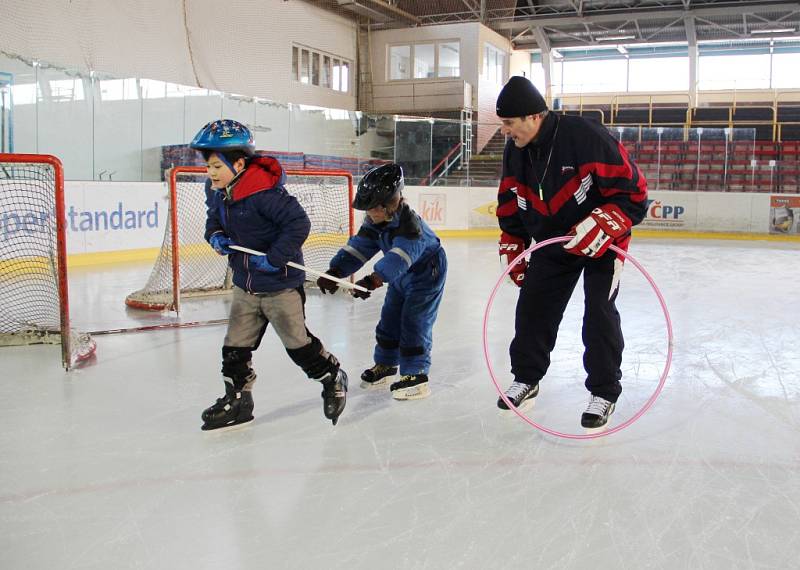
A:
[261,215]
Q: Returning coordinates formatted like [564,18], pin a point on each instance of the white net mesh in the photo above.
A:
[187,266]
[34,304]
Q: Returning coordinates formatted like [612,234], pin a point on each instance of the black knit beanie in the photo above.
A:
[519,98]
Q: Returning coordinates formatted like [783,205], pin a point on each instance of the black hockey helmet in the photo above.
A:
[379,186]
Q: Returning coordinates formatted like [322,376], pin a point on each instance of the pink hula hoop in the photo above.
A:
[626,256]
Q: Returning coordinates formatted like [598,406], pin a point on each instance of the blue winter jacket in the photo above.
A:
[260,214]
[407,243]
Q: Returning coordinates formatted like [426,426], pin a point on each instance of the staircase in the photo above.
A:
[483,169]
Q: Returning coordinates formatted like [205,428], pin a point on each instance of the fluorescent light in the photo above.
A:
[772,31]
[615,38]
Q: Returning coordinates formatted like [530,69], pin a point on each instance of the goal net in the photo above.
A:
[34,295]
[187,266]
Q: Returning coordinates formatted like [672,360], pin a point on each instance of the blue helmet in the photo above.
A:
[224,135]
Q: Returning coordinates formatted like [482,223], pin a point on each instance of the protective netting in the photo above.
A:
[175,40]
[34,305]
[187,266]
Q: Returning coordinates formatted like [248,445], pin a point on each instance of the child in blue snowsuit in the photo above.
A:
[414,265]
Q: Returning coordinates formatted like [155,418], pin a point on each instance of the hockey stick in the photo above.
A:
[343,282]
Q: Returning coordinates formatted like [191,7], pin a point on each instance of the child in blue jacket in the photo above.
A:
[249,206]
[414,265]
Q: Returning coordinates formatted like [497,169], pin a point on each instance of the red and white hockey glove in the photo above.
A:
[511,247]
[598,230]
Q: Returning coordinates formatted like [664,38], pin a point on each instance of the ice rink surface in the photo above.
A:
[106,467]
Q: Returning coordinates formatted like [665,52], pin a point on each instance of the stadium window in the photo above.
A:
[399,62]
[449,60]
[25,93]
[304,61]
[494,62]
[733,71]
[66,90]
[118,89]
[337,73]
[315,69]
[659,74]
[326,72]
[345,77]
[594,76]
[784,70]
[153,89]
[424,61]
[320,69]
[537,75]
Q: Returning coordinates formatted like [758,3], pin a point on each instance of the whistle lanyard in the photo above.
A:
[539,181]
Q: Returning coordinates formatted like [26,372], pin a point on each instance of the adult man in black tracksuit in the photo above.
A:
[564,175]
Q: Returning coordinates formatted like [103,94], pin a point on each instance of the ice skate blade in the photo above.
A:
[381,384]
[222,429]
[412,393]
[524,407]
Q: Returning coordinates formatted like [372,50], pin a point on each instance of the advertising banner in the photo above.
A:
[784,214]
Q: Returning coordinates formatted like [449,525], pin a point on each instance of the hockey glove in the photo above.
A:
[326,285]
[598,230]
[371,282]
[220,243]
[510,247]
[262,264]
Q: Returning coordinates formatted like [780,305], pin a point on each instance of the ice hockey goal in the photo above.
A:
[187,266]
[34,295]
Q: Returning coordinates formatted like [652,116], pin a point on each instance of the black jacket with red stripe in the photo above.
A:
[588,168]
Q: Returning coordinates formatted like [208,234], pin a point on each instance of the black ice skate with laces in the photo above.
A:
[411,387]
[521,395]
[377,377]
[233,410]
[597,412]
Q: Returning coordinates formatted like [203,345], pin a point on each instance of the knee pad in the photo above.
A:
[412,350]
[312,361]
[385,343]
[236,364]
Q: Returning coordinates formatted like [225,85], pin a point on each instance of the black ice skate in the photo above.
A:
[334,395]
[377,376]
[520,394]
[234,409]
[597,412]
[411,387]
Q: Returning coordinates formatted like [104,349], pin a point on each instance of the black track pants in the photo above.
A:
[547,288]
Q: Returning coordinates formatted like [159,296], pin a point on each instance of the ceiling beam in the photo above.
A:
[541,38]
[402,14]
[615,15]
